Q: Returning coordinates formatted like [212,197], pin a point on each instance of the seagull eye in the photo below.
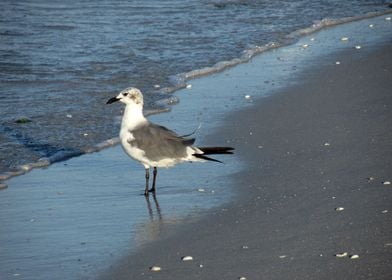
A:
[125,94]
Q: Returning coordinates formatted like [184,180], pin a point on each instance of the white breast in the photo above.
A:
[133,152]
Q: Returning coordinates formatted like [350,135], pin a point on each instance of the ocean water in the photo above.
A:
[61,60]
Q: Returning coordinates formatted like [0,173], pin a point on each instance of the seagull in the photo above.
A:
[153,145]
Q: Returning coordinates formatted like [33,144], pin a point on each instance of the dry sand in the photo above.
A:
[309,149]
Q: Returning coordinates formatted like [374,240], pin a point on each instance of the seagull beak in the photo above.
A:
[112,100]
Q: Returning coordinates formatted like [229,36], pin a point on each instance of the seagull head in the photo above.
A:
[128,96]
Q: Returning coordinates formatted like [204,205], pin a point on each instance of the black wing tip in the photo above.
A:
[201,156]
[216,150]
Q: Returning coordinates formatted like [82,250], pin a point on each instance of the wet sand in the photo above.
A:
[320,144]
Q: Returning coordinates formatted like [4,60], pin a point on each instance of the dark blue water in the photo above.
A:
[61,60]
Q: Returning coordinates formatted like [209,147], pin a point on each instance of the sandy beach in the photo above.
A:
[317,157]
[306,195]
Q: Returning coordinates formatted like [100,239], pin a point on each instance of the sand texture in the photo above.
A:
[317,154]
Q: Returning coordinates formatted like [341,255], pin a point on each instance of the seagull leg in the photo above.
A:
[147,179]
[155,172]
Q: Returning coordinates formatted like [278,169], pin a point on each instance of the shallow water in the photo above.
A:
[77,218]
[61,60]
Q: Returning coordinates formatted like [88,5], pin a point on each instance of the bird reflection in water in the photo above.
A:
[156,206]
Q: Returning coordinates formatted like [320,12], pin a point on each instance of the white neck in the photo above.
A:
[133,116]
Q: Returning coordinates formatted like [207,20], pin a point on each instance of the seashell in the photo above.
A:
[384,211]
[388,18]
[201,190]
[371,178]
[305,46]
[157,86]
[155,268]
[247,96]
[69,116]
[344,39]
[187,258]
[337,62]
[242,278]
[311,39]
[371,25]
[386,182]
[282,256]
[338,209]
[327,144]
[354,257]
[341,255]
[189,86]
[358,47]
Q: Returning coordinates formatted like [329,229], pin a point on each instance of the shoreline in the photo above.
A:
[181,81]
[327,149]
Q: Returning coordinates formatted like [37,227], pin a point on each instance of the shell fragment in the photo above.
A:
[155,268]
[187,258]
[341,255]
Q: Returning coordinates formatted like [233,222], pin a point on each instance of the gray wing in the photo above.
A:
[158,142]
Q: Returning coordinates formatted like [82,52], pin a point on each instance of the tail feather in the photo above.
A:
[213,151]
[206,158]
[216,150]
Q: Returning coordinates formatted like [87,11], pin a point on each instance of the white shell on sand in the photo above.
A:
[344,39]
[388,18]
[305,46]
[187,258]
[337,62]
[189,86]
[371,178]
[386,182]
[358,47]
[282,257]
[354,257]
[339,209]
[371,25]
[341,255]
[247,96]
[201,190]
[157,86]
[242,278]
[384,211]
[155,268]
[327,144]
